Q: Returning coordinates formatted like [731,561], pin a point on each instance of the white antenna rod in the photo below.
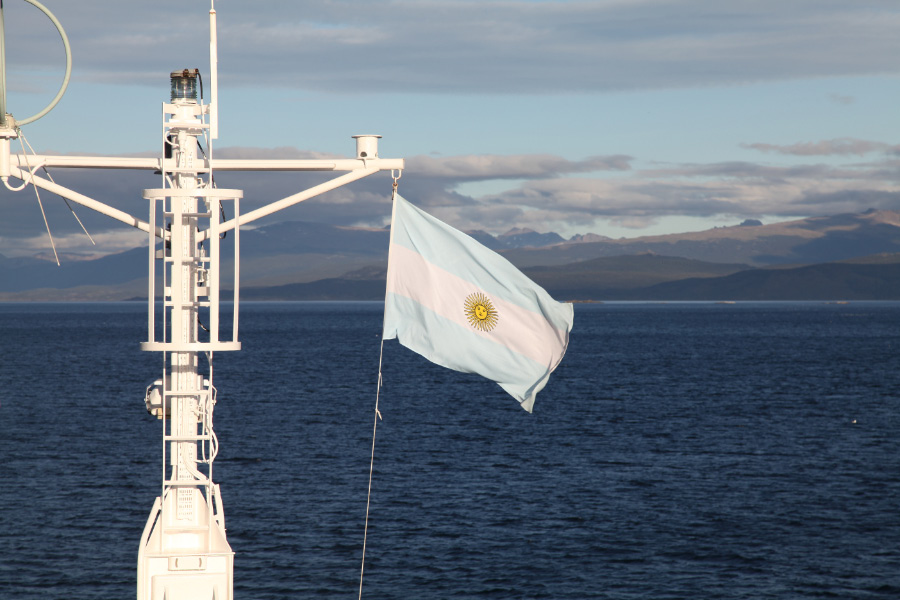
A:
[2,69]
[213,75]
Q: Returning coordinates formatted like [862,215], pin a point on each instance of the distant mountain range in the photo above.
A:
[805,241]
[650,277]
[842,257]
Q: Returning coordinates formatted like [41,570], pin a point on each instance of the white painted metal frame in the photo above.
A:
[358,169]
[183,549]
[214,198]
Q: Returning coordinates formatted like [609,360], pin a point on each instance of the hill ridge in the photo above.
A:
[298,252]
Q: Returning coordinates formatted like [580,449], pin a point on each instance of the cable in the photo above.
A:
[378,417]
[38,194]
[50,177]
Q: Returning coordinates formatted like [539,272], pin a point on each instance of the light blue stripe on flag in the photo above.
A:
[465,307]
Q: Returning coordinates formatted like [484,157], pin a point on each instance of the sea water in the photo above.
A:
[680,451]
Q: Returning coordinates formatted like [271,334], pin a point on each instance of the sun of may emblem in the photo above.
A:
[480,312]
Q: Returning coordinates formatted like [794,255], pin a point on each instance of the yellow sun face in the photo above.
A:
[480,312]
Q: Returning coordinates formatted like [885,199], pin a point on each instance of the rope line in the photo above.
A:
[38,194]
[378,417]
[50,177]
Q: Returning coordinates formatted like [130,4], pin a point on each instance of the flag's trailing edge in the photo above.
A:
[465,307]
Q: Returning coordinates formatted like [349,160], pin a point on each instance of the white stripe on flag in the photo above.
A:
[518,329]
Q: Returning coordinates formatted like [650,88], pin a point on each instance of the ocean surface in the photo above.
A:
[688,450]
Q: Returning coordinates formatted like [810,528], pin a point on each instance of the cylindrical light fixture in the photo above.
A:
[184,85]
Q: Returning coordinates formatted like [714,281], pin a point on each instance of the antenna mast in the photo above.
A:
[183,550]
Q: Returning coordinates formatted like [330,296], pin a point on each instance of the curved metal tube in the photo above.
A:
[65,83]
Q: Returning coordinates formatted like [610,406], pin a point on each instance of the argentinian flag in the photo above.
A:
[465,307]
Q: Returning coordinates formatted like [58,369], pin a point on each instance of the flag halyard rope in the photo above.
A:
[378,416]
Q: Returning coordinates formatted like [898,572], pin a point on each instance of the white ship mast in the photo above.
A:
[183,552]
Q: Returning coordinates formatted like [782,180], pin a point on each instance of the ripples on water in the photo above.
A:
[680,451]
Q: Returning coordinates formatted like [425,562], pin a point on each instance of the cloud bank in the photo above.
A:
[836,147]
[358,48]
[545,193]
[463,46]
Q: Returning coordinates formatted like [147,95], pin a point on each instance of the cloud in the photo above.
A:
[827,202]
[566,205]
[467,46]
[885,170]
[839,147]
[105,242]
[524,166]
[278,153]
[545,192]
[841,99]
[729,189]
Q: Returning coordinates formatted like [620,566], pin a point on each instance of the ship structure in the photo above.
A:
[183,553]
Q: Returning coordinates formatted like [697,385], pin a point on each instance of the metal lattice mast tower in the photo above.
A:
[184,546]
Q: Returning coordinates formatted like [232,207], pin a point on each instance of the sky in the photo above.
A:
[616,117]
